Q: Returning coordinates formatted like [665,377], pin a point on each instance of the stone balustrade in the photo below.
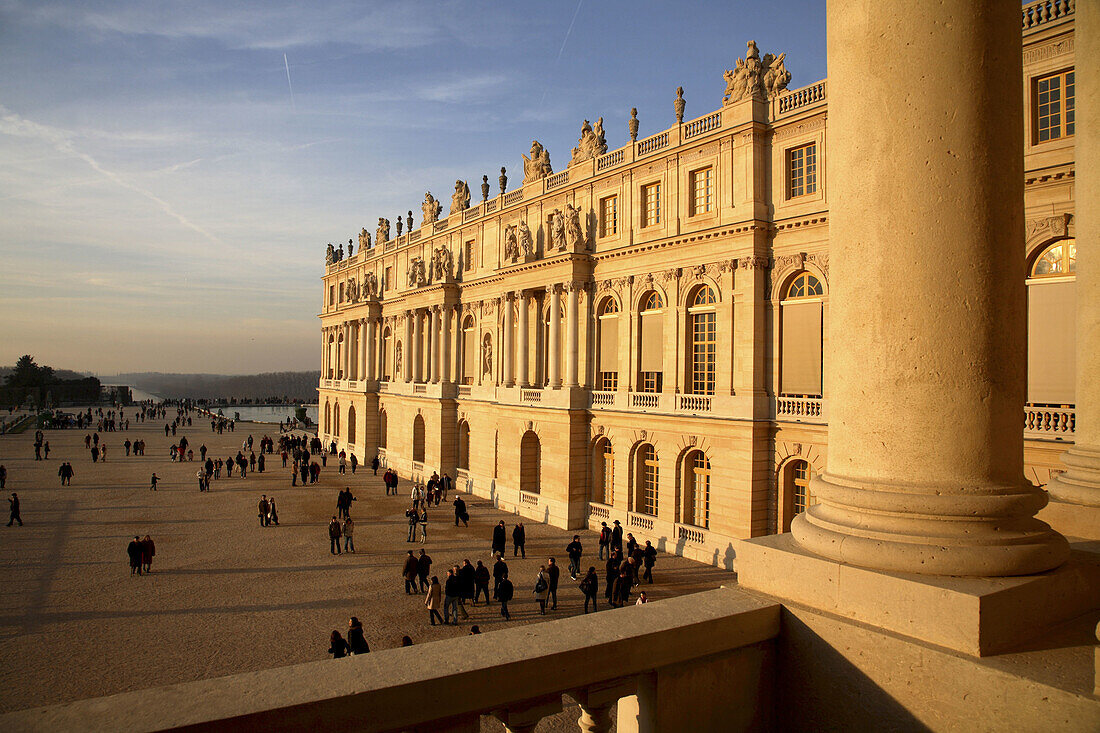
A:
[531,395]
[702,125]
[529,498]
[653,144]
[602,398]
[557,179]
[514,197]
[610,160]
[690,533]
[799,409]
[693,403]
[1049,423]
[641,521]
[1044,11]
[791,100]
[597,660]
[601,512]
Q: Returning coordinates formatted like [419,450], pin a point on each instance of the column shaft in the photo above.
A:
[368,355]
[571,357]
[523,351]
[509,341]
[408,354]
[345,362]
[927,323]
[418,343]
[436,352]
[445,345]
[555,336]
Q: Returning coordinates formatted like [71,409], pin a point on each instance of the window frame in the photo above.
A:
[613,200]
[709,195]
[649,480]
[1066,126]
[651,217]
[807,169]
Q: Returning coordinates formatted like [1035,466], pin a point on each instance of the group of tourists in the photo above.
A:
[269,514]
[136,447]
[141,551]
[356,643]
[389,479]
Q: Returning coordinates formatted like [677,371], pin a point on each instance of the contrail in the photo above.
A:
[287,65]
[563,42]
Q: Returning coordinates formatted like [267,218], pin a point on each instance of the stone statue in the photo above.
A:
[503,180]
[430,209]
[397,358]
[364,239]
[485,188]
[409,222]
[370,284]
[511,243]
[633,124]
[557,229]
[591,144]
[418,276]
[487,355]
[574,235]
[538,165]
[442,264]
[679,104]
[526,242]
[340,253]
[352,290]
[754,77]
[399,223]
[382,234]
[351,248]
[460,199]
[330,254]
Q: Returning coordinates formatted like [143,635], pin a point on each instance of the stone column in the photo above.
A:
[361,346]
[555,336]
[571,357]
[445,345]
[418,346]
[407,351]
[369,337]
[509,342]
[523,358]
[345,359]
[436,352]
[1080,484]
[927,328]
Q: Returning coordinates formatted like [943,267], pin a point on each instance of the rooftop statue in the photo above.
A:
[430,209]
[460,199]
[330,254]
[538,165]
[382,235]
[592,143]
[754,77]
[364,239]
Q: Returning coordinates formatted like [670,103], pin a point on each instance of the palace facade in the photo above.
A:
[642,336]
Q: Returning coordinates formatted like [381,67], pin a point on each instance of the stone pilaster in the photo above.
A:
[571,357]
[555,336]
[523,337]
[509,356]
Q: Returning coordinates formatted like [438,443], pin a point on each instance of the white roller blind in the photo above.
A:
[469,354]
[1051,357]
[652,342]
[800,360]
[609,344]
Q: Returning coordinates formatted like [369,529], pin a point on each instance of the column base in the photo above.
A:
[1072,520]
[976,616]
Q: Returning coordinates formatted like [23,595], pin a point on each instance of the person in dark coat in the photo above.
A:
[499,537]
[553,572]
[519,539]
[460,512]
[357,643]
[481,582]
[500,569]
[148,550]
[334,533]
[467,575]
[13,506]
[133,550]
[423,567]
[649,559]
[574,551]
[337,646]
[605,540]
[590,586]
[505,592]
[409,573]
[374,466]
[616,537]
[611,570]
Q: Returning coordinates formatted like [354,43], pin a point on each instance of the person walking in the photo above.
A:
[133,551]
[334,536]
[354,462]
[605,540]
[434,600]
[262,509]
[500,570]
[649,559]
[423,567]
[574,551]
[13,508]
[481,582]
[409,573]
[153,482]
[148,550]
[374,465]
[422,520]
[414,517]
[272,512]
[542,589]
[357,643]
[590,586]
[3,476]
[337,647]
[553,573]
[519,539]
[349,530]
[460,512]
[617,537]
[504,594]
[499,536]
[611,570]
[452,591]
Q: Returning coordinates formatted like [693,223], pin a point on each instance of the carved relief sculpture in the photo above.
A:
[382,234]
[591,144]
[430,209]
[511,243]
[442,264]
[370,284]
[418,275]
[574,235]
[526,242]
[754,77]
[397,358]
[460,199]
[538,165]
[557,230]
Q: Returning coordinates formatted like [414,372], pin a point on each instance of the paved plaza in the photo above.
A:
[226,595]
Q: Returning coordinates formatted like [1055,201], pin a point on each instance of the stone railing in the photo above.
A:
[692,534]
[526,497]
[471,213]
[389,246]
[415,236]
[420,389]
[652,144]
[603,398]
[326,383]
[440,226]
[464,390]
[384,386]
[693,403]
[597,659]
[1049,423]
[530,395]
[417,467]
[1044,11]
[645,399]
[713,121]
[641,521]
[798,408]
[557,179]
[599,511]
[514,197]
[610,160]
[807,95]
[353,384]
[491,205]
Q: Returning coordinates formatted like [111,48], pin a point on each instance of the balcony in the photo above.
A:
[1049,423]
[799,409]
[641,521]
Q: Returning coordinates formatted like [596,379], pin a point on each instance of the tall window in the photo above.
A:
[649,469]
[1058,260]
[800,343]
[336,420]
[651,204]
[351,424]
[652,343]
[383,429]
[468,256]
[603,471]
[463,445]
[608,322]
[331,295]
[802,170]
[1054,106]
[469,350]
[387,355]
[703,322]
[609,216]
[800,473]
[418,438]
[697,490]
[388,278]
[341,292]
[328,418]
[608,473]
[1052,325]
[702,188]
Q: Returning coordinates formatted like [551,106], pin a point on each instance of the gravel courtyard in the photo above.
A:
[225,594]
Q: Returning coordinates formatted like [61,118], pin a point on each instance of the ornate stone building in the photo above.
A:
[642,336]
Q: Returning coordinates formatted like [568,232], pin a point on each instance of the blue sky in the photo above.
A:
[165,200]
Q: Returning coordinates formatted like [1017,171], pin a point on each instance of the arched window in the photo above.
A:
[648,475]
[1052,323]
[607,356]
[336,420]
[651,347]
[603,472]
[464,445]
[387,355]
[796,491]
[469,350]
[351,424]
[530,460]
[703,335]
[697,489]
[383,429]
[418,438]
[800,346]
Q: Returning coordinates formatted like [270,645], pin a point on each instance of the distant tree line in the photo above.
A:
[267,388]
[28,383]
